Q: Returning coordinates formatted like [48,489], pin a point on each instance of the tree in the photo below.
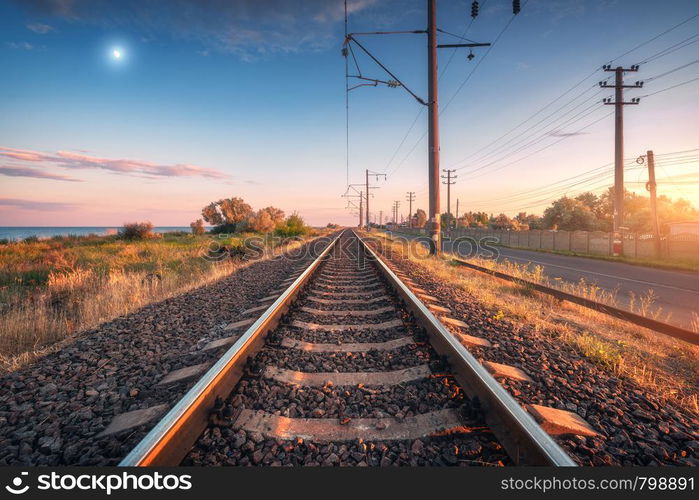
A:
[261,222]
[447,220]
[502,221]
[234,210]
[528,221]
[277,215]
[420,218]
[211,214]
[197,227]
[569,214]
[228,214]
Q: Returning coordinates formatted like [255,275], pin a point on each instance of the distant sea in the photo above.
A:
[19,233]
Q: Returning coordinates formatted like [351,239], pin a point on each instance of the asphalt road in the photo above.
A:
[676,292]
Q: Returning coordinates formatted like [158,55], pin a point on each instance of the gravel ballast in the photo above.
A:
[52,410]
[636,426]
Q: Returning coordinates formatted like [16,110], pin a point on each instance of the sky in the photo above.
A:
[209,100]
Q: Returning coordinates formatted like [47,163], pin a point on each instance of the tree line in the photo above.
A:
[233,215]
[584,212]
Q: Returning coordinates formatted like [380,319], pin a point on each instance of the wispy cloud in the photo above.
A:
[44,206]
[20,45]
[35,173]
[40,28]
[248,28]
[72,160]
[565,134]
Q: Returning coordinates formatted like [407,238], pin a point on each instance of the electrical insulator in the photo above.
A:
[470,55]
[474,9]
[516,7]
[344,51]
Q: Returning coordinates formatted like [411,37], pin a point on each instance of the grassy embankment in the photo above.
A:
[668,367]
[56,288]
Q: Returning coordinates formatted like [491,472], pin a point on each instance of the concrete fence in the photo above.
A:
[584,242]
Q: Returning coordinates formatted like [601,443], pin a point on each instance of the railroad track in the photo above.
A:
[351,365]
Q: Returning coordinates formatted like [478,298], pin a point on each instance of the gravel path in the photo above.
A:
[638,427]
[52,410]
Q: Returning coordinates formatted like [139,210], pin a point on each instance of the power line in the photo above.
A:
[671,49]
[670,88]
[522,137]
[468,77]
[671,71]
[420,111]
[586,78]
[655,37]
[562,138]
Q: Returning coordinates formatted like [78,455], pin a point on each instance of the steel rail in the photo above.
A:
[521,436]
[172,437]
[637,319]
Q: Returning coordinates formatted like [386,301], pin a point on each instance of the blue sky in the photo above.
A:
[246,98]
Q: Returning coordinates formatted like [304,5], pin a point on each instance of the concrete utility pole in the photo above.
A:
[619,104]
[434,222]
[449,181]
[396,204]
[457,210]
[652,188]
[410,199]
[361,212]
[377,175]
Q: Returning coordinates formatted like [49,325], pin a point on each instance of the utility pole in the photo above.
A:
[432,99]
[380,218]
[457,210]
[652,186]
[410,199]
[377,175]
[433,129]
[361,212]
[449,181]
[619,104]
[396,204]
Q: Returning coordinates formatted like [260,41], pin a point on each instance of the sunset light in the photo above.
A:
[350,233]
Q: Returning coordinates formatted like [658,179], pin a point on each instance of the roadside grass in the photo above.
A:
[51,290]
[664,365]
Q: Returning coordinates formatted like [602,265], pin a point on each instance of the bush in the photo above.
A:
[292,226]
[261,222]
[197,227]
[224,229]
[136,231]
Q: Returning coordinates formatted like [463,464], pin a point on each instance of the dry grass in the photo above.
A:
[53,290]
[661,364]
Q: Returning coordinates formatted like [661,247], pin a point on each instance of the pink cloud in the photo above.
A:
[38,174]
[35,205]
[140,168]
